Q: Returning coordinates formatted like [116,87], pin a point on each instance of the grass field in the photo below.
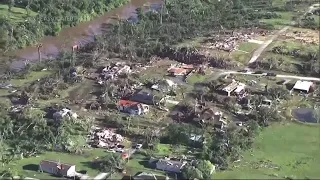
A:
[32,76]
[28,167]
[17,14]
[292,147]
[284,20]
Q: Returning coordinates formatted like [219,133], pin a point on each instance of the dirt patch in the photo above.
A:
[83,92]
[305,36]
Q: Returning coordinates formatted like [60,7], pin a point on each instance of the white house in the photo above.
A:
[57,168]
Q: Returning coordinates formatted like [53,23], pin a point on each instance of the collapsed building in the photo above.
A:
[113,71]
[65,112]
[133,108]
[104,138]
[180,69]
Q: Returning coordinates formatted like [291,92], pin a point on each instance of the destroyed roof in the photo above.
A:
[187,66]
[232,86]
[49,164]
[177,70]
[239,88]
[303,85]
[127,103]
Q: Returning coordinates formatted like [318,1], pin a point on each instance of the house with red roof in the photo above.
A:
[132,107]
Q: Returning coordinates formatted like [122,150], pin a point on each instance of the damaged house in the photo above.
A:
[170,164]
[164,85]
[57,168]
[104,138]
[111,72]
[180,69]
[236,88]
[146,96]
[65,112]
[212,116]
[133,108]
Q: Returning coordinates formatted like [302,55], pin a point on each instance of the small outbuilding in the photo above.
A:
[303,86]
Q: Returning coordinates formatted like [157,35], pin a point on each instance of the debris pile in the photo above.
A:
[229,43]
[104,138]
[306,37]
[113,71]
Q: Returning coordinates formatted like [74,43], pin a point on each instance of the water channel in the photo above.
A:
[79,34]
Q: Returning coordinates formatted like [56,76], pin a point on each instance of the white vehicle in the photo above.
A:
[111,151]
[138,146]
[120,150]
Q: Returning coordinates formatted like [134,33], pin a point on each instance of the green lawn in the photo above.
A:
[32,76]
[196,78]
[247,46]
[284,20]
[293,147]
[28,167]
[17,14]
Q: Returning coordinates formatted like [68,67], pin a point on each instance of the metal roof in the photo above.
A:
[303,85]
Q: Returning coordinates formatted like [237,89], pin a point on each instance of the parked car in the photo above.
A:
[243,71]
[258,72]
[120,146]
[120,150]
[111,150]
[271,74]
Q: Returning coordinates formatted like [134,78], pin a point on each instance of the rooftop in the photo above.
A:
[127,103]
[303,85]
[177,70]
[232,86]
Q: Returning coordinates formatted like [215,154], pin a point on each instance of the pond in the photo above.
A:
[304,115]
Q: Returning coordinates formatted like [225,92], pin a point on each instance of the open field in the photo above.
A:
[17,14]
[32,76]
[284,20]
[296,40]
[292,147]
[28,167]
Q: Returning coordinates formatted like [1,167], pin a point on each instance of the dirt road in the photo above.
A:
[265,44]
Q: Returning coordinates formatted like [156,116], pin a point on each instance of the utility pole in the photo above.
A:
[39,46]
[161,13]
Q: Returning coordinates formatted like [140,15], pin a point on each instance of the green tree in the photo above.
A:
[191,172]
[206,168]
[111,163]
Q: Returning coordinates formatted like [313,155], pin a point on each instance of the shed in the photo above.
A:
[57,168]
[303,86]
